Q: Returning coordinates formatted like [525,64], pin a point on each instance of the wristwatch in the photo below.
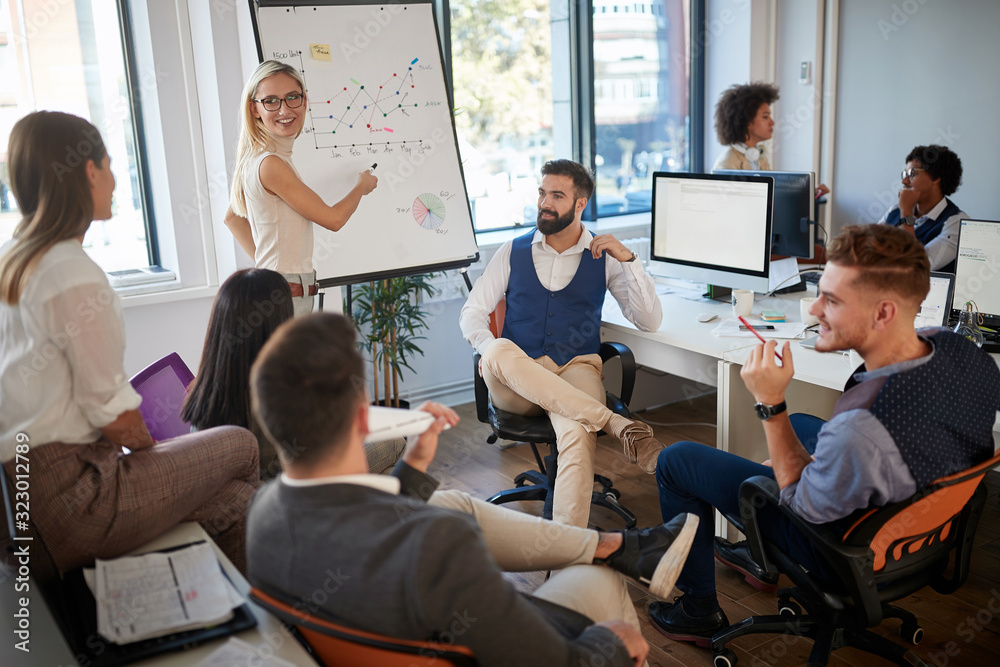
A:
[765,411]
[632,258]
[909,220]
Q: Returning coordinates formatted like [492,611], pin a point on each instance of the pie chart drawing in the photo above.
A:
[428,211]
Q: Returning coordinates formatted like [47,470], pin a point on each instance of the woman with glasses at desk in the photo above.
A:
[924,210]
[271,211]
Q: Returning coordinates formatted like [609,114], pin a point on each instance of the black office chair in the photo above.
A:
[538,484]
[887,554]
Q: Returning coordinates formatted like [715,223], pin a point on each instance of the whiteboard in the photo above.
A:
[376,94]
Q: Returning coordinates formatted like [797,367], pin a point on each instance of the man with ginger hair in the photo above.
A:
[920,407]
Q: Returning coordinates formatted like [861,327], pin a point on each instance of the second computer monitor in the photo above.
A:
[977,272]
[794,210]
[712,228]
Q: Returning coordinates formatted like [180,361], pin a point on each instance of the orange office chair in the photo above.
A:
[887,554]
[539,484]
[339,646]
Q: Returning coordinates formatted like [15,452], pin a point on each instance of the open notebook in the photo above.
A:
[74,608]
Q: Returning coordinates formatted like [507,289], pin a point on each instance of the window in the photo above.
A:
[643,118]
[520,100]
[501,55]
[70,56]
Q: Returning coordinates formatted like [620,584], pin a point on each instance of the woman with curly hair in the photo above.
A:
[743,120]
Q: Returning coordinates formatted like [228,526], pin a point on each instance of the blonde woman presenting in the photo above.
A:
[271,211]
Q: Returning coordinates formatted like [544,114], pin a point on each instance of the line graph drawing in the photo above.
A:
[429,211]
[356,112]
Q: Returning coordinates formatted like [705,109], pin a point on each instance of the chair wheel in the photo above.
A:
[912,633]
[788,607]
[615,493]
[724,659]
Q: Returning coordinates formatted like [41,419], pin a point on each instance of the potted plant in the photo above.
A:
[389,319]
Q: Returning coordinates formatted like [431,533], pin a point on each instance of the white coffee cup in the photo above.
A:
[805,303]
[742,302]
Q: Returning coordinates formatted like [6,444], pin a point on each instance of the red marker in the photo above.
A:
[759,337]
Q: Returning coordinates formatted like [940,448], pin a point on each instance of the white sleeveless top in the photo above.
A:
[283,238]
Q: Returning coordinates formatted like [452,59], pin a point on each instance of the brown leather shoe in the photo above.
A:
[640,446]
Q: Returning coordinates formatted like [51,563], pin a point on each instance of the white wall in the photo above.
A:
[915,72]
[727,59]
[797,110]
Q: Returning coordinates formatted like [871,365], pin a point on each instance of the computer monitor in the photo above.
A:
[936,307]
[712,228]
[794,211]
[977,272]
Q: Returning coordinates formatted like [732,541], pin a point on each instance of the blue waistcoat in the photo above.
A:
[939,414]
[563,324]
[929,231]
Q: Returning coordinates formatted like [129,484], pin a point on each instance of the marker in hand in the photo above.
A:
[373,167]
[759,337]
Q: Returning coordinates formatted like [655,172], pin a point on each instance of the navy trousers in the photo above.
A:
[692,477]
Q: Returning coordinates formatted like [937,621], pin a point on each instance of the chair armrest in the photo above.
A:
[612,350]
[482,393]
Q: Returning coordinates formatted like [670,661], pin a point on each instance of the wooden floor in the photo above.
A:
[961,629]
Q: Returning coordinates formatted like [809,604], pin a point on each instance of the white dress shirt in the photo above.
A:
[62,350]
[628,283]
[385,483]
[943,248]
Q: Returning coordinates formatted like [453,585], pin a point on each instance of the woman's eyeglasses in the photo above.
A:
[293,101]
[906,174]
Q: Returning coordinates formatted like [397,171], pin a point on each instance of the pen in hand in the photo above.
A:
[759,337]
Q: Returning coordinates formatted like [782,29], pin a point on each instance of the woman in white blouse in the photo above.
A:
[66,407]
[271,211]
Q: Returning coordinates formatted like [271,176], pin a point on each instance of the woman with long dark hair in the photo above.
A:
[250,305]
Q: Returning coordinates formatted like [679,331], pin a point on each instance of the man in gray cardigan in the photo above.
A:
[389,554]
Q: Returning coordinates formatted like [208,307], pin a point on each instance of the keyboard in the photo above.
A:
[812,277]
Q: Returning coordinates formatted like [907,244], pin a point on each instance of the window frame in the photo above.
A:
[582,88]
[138,131]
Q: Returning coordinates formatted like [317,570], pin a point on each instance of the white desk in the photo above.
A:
[686,348]
[48,647]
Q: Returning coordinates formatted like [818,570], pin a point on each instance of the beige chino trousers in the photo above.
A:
[521,542]
[573,397]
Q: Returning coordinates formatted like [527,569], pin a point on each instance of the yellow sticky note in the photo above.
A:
[320,51]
